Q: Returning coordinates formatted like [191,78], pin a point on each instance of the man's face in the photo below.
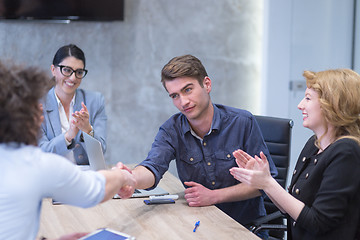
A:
[189,97]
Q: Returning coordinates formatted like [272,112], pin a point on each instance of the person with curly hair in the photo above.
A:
[27,174]
[324,193]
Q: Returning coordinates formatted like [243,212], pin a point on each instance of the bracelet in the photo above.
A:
[91,133]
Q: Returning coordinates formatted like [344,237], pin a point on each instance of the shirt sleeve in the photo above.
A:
[56,145]
[66,183]
[160,155]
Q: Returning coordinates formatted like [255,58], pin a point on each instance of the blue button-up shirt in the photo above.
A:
[208,162]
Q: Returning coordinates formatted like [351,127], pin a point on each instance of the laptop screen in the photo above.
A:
[94,152]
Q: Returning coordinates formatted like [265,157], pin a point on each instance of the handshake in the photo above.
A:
[126,180]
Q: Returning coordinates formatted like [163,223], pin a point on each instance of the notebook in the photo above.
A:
[94,152]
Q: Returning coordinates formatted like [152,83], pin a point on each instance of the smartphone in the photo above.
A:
[159,201]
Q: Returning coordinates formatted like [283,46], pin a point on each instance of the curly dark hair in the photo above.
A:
[21,88]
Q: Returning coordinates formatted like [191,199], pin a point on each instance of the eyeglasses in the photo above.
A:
[68,71]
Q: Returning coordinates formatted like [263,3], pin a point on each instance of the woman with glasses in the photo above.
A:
[70,112]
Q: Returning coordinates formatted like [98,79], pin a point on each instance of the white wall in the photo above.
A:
[303,35]
[357,38]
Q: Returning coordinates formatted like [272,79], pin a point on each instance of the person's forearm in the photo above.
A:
[144,177]
[235,193]
[283,200]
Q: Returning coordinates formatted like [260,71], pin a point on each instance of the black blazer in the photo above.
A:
[329,185]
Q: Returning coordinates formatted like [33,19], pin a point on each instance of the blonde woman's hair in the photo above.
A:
[339,96]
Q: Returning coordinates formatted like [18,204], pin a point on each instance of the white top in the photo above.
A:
[65,123]
[27,175]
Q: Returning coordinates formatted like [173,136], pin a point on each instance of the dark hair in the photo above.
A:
[20,113]
[67,51]
[183,66]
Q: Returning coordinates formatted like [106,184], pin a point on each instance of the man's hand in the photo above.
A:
[128,189]
[122,166]
[126,192]
[198,196]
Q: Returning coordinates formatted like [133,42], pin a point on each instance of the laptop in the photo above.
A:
[141,193]
[94,152]
[97,162]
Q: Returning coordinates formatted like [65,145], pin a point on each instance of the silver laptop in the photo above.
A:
[139,193]
[158,191]
[97,162]
[94,152]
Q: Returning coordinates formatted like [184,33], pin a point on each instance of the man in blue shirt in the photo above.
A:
[201,138]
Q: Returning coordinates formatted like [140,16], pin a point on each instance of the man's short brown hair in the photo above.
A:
[183,66]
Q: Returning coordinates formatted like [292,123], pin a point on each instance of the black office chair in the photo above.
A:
[277,136]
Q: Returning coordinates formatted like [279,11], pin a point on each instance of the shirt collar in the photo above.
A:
[215,124]
[197,136]
[59,102]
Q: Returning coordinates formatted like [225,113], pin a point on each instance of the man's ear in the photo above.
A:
[207,84]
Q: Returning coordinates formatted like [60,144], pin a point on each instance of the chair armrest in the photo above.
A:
[278,227]
[262,223]
[268,218]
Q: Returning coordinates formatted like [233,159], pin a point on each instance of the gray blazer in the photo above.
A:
[53,140]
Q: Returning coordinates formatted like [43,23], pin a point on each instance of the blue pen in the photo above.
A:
[196,226]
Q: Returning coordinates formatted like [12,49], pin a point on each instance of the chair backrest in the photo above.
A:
[277,136]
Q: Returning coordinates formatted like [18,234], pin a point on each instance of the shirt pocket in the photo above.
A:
[190,158]
[224,155]
[190,167]
[224,161]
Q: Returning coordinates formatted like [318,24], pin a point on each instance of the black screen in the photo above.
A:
[86,10]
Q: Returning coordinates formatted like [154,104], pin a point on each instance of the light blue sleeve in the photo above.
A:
[55,145]
[70,185]
[52,139]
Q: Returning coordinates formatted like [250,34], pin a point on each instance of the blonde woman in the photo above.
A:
[323,201]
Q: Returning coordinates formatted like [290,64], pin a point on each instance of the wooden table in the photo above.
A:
[132,216]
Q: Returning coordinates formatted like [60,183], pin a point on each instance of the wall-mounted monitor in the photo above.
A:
[74,10]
